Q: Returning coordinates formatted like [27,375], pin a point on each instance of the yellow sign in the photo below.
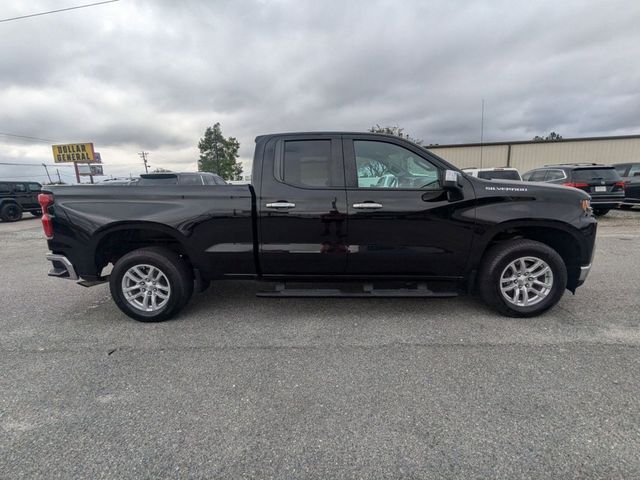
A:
[74,152]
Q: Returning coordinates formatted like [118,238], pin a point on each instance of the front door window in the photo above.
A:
[385,165]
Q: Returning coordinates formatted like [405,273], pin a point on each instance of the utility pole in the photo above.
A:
[143,155]
[481,132]
[58,172]
[47,170]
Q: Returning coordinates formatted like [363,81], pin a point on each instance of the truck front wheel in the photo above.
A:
[151,284]
[522,278]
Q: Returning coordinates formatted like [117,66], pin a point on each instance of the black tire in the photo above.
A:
[37,213]
[11,212]
[599,212]
[500,256]
[175,269]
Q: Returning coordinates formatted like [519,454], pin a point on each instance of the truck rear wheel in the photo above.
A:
[11,212]
[522,278]
[151,284]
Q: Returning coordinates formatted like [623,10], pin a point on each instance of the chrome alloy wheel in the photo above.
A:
[146,288]
[526,281]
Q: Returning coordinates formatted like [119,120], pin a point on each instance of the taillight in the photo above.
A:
[619,184]
[46,200]
[575,185]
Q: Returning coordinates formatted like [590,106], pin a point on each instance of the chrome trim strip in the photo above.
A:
[53,257]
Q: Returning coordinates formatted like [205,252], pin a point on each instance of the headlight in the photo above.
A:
[586,205]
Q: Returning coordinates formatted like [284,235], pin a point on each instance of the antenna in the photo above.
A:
[481,131]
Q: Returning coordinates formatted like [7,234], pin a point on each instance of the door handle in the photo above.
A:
[367,205]
[280,205]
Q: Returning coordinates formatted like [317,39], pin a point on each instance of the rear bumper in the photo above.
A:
[62,267]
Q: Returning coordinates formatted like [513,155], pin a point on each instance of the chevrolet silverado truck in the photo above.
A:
[327,214]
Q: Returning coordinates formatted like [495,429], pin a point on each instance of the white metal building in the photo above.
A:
[526,155]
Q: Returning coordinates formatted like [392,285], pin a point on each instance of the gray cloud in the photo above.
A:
[152,75]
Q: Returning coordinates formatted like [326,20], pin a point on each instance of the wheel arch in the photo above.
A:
[115,240]
[559,236]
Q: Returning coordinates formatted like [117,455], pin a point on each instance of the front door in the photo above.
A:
[401,221]
[303,207]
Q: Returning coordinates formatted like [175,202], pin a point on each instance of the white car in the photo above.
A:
[495,173]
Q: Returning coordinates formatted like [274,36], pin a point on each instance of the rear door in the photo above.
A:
[21,195]
[34,191]
[303,206]
[405,224]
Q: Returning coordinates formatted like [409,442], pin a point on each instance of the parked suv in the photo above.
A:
[630,173]
[18,197]
[602,182]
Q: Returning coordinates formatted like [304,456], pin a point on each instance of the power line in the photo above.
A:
[27,137]
[57,11]
[36,164]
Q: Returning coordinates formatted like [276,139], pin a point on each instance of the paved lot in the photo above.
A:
[242,387]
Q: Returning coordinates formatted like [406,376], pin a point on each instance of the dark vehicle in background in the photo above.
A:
[18,197]
[186,178]
[602,182]
[318,213]
[630,174]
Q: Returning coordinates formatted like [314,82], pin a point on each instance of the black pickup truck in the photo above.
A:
[354,209]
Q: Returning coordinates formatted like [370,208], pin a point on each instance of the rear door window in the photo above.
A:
[554,175]
[634,171]
[308,163]
[19,188]
[538,176]
[208,180]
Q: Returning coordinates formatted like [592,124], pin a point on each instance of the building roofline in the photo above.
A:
[525,142]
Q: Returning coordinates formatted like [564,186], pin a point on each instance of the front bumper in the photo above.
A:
[584,273]
[62,267]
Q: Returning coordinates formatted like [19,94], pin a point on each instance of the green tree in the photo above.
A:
[552,137]
[397,131]
[219,154]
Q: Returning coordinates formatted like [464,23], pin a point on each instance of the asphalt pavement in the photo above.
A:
[246,387]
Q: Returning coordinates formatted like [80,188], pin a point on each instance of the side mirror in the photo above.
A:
[451,180]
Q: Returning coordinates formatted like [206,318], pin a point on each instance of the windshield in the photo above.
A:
[587,174]
[499,175]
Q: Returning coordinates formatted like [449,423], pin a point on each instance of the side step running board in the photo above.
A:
[367,290]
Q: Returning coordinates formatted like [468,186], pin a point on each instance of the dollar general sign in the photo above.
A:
[74,152]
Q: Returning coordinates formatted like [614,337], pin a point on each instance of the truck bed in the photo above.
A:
[213,223]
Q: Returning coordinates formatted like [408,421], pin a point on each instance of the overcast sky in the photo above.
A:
[152,75]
